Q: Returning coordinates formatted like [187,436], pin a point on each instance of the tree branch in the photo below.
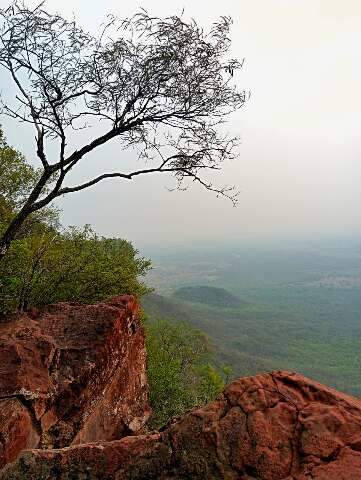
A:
[129,176]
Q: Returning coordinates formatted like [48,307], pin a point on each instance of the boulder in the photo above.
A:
[276,426]
[70,374]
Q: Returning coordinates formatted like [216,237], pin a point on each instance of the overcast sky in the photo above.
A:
[299,168]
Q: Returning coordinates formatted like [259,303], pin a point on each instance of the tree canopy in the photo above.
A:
[49,266]
[161,86]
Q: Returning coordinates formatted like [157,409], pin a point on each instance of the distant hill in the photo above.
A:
[159,306]
[218,297]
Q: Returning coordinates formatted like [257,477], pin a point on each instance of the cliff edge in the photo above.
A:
[73,403]
[71,374]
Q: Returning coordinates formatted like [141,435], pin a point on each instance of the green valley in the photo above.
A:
[281,313]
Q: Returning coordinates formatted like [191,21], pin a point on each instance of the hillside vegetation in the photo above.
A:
[180,369]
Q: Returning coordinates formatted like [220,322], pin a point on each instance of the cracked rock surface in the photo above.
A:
[276,426]
[71,374]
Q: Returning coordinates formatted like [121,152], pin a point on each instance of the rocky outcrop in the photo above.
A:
[268,427]
[71,374]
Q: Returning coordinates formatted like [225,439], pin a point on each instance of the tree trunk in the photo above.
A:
[12,230]
[28,208]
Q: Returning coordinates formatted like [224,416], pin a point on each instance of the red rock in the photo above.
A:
[277,426]
[76,373]
[93,460]
[18,431]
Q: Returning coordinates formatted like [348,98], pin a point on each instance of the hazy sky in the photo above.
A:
[299,168]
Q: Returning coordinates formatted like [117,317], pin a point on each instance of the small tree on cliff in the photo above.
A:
[161,86]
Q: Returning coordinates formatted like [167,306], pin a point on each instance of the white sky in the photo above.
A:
[299,169]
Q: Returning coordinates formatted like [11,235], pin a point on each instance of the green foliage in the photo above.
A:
[180,375]
[17,177]
[75,265]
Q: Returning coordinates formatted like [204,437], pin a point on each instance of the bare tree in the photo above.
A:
[160,85]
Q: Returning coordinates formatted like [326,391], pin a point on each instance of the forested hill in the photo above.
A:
[208,295]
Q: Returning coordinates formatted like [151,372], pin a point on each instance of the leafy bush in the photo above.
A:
[75,265]
[180,374]
[17,177]
[45,264]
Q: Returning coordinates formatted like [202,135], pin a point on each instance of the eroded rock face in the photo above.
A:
[18,431]
[71,374]
[268,427]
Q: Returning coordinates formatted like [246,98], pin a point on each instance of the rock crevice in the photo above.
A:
[28,406]
[74,373]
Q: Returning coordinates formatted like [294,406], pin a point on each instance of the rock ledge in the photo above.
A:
[276,426]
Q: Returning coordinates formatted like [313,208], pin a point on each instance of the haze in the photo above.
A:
[299,166]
